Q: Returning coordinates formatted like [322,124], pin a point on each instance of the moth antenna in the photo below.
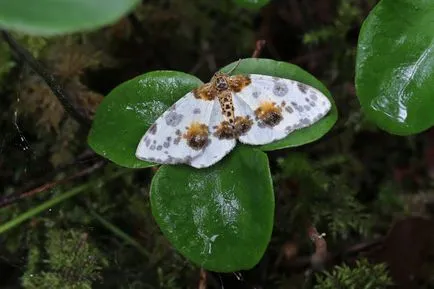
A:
[236,65]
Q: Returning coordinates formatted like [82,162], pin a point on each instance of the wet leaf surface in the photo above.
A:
[395,64]
[221,217]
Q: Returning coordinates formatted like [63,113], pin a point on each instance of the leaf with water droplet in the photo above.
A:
[129,110]
[220,218]
[395,66]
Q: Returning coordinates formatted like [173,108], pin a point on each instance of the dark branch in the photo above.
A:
[51,81]
[137,26]
[11,199]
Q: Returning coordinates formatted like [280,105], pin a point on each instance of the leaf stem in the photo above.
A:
[121,234]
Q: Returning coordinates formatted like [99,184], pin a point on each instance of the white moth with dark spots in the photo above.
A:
[203,126]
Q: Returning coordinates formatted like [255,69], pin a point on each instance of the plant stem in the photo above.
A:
[121,234]
[13,198]
[258,48]
[54,201]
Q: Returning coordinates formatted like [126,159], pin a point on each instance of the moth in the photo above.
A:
[205,124]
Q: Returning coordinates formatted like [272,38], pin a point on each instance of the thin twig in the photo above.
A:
[258,48]
[197,66]
[137,26]
[120,233]
[52,82]
[10,199]
[87,158]
[206,57]
[203,284]
[362,246]
[209,56]
[17,220]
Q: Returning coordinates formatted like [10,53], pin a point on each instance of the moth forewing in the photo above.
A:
[179,135]
[217,147]
[203,126]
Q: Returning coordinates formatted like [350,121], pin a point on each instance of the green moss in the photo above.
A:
[363,275]
[68,261]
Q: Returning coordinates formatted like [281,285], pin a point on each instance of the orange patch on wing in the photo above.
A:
[269,113]
[238,82]
[242,125]
[206,91]
[224,131]
[196,135]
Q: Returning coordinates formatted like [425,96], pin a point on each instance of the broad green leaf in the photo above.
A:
[252,4]
[51,17]
[289,71]
[220,217]
[395,64]
[129,110]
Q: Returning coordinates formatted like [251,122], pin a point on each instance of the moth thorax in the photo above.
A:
[221,83]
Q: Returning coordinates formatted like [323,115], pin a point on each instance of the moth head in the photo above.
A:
[220,81]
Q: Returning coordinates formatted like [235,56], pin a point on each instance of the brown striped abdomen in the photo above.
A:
[227,106]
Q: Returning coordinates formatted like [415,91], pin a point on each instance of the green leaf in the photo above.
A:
[289,71]
[220,217]
[395,62]
[130,109]
[251,4]
[51,17]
